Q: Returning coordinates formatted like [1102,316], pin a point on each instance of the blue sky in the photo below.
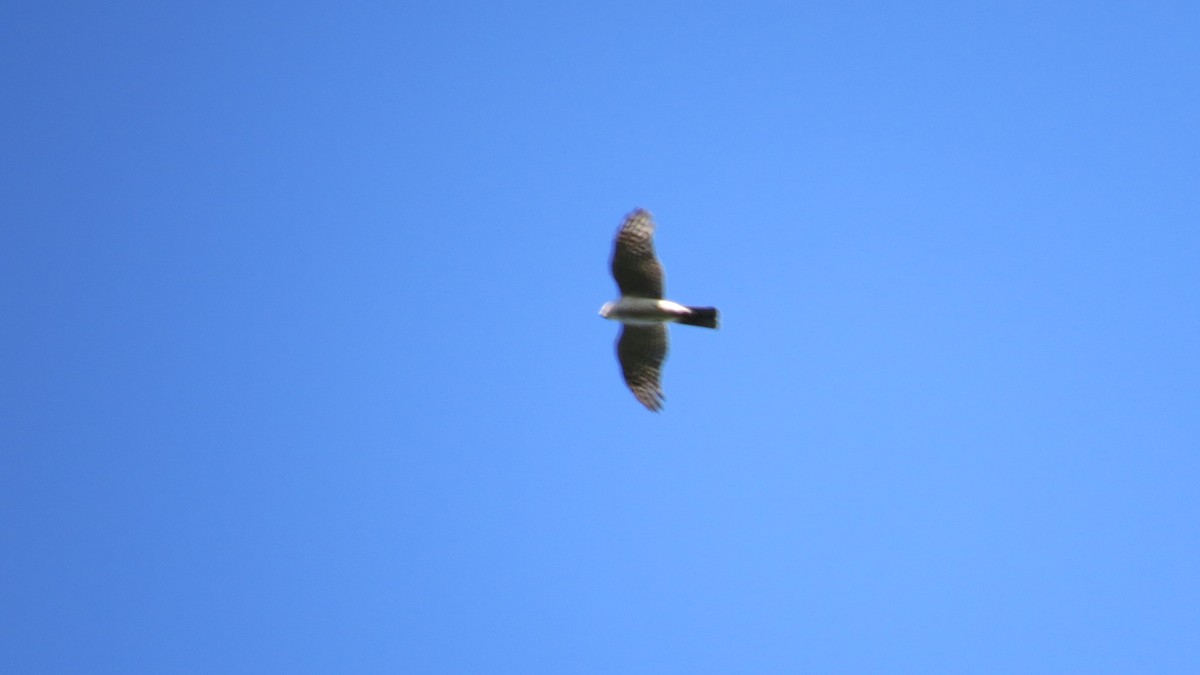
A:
[303,371]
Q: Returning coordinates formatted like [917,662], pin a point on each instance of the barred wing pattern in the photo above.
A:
[634,265]
[642,350]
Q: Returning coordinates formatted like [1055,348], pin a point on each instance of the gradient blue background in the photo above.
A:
[302,370]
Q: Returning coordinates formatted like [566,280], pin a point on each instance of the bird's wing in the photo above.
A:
[642,350]
[634,265]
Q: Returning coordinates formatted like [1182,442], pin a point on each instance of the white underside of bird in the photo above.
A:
[645,311]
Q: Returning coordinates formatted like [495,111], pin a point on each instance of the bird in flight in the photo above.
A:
[642,310]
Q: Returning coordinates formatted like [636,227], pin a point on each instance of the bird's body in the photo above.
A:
[643,311]
[649,311]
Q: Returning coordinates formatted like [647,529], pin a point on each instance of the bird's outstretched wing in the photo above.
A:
[642,350]
[634,265]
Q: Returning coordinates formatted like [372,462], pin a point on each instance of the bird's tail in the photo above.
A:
[705,317]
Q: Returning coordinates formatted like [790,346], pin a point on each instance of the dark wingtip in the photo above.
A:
[653,402]
[652,399]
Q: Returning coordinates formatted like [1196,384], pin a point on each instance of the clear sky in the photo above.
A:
[302,370]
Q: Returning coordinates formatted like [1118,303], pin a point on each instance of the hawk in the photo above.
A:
[642,310]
